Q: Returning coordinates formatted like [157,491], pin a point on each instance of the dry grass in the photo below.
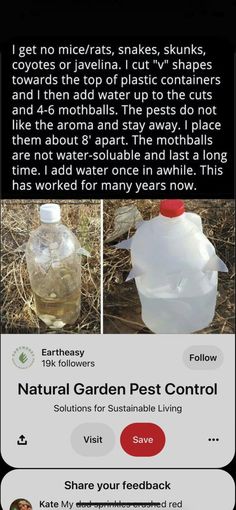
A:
[122,312]
[19,218]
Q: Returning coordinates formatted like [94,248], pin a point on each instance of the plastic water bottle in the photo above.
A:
[54,268]
[175,269]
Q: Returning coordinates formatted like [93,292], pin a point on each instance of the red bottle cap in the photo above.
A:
[172,208]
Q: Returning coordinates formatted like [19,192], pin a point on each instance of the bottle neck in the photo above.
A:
[52,224]
[175,219]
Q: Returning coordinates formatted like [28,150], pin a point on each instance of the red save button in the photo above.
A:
[142,439]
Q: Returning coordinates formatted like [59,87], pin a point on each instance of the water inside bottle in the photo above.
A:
[57,294]
[55,311]
[178,315]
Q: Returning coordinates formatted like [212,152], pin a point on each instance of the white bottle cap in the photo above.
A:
[50,213]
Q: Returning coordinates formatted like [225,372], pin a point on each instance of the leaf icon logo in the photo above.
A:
[23,358]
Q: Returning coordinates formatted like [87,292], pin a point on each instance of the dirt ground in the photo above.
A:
[19,218]
[122,311]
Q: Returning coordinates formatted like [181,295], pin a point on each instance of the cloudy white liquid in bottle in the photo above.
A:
[54,268]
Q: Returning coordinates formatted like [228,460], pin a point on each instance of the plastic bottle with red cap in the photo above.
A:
[175,268]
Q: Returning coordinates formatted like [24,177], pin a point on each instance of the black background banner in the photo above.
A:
[205,186]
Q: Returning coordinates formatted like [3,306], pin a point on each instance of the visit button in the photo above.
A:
[142,439]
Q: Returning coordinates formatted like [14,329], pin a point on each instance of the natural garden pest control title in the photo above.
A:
[104,389]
